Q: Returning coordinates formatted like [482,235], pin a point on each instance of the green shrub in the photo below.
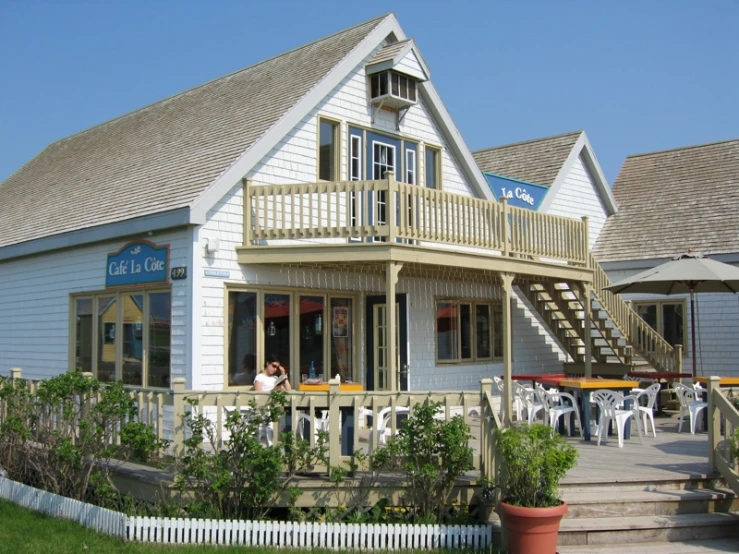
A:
[533,461]
[432,453]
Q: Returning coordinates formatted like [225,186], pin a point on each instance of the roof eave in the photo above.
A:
[112,231]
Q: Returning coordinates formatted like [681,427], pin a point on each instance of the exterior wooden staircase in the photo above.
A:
[618,334]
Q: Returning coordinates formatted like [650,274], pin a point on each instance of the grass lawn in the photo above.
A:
[26,532]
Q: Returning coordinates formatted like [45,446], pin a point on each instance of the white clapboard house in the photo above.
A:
[277,209]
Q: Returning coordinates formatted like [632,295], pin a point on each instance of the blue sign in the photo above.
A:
[137,263]
[519,193]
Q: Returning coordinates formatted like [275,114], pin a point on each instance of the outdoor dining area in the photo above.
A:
[598,407]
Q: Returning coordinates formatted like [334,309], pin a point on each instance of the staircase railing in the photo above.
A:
[723,420]
[643,338]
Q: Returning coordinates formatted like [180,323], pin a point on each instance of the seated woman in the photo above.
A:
[267,380]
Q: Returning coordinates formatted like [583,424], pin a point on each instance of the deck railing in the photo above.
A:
[642,337]
[390,211]
[164,411]
[723,420]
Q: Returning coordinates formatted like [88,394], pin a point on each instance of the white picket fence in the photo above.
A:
[100,519]
[277,534]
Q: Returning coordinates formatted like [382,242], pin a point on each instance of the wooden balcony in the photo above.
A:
[368,223]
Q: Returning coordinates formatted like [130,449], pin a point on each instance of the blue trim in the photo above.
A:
[521,194]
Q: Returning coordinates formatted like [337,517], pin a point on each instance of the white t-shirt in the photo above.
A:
[268,381]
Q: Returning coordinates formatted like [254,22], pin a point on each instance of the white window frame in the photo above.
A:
[410,167]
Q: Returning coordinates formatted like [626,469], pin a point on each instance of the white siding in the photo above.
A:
[578,197]
[35,303]
[293,160]
[717,328]
[410,65]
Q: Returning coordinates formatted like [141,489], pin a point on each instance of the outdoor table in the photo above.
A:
[723,381]
[347,413]
[581,387]
[659,376]
[535,377]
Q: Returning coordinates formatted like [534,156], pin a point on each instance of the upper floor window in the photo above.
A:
[355,158]
[393,85]
[383,159]
[328,147]
[433,168]
[410,167]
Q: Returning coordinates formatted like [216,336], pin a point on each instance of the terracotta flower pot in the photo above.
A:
[531,530]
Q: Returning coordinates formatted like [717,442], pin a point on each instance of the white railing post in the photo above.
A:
[15,373]
[586,241]
[391,206]
[247,212]
[713,418]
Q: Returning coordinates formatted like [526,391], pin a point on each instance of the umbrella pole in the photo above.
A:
[692,327]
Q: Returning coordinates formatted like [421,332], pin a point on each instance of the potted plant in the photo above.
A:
[533,460]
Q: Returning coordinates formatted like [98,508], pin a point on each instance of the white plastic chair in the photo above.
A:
[647,410]
[610,404]
[690,404]
[556,406]
[528,400]
[384,428]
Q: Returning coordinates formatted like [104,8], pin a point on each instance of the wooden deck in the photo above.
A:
[671,455]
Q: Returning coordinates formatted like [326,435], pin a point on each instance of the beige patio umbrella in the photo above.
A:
[688,273]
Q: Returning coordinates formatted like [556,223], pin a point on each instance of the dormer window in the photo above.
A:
[393,89]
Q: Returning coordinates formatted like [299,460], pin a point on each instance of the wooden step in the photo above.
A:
[622,530]
[689,547]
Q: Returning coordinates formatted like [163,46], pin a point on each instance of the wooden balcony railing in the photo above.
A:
[389,211]
[637,332]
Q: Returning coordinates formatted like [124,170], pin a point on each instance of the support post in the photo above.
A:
[487,449]
[587,339]
[391,279]
[507,293]
[678,358]
[586,241]
[391,206]
[15,373]
[178,425]
[334,446]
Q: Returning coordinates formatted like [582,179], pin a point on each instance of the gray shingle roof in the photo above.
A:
[161,157]
[389,51]
[535,161]
[672,201]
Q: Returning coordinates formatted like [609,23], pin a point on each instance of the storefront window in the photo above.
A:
[111,342]
[466,331]
[322,331]
[341,338]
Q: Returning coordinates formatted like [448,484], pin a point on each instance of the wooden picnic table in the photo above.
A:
[659,375]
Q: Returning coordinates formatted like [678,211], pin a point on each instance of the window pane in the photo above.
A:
[465,327]
[341,338]
[648,313]
[277,327]
[498,332]
[242,338]
[482,330]
[327,152]
[383,82]
[375,85]
[431,168]
[410,167]
[311,335]
[133,339]
[159,347]
[672,323]
[107,337]
[446,331]
[411,90]
[395,79]
[83,334]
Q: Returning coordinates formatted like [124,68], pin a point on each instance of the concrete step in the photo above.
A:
[640,529]
[689,547]
[638,484]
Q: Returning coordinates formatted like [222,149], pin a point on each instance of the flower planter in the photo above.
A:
[531,530]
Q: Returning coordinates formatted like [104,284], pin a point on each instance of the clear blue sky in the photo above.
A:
[637,75]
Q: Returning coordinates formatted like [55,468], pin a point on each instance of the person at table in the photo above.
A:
[267,379]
